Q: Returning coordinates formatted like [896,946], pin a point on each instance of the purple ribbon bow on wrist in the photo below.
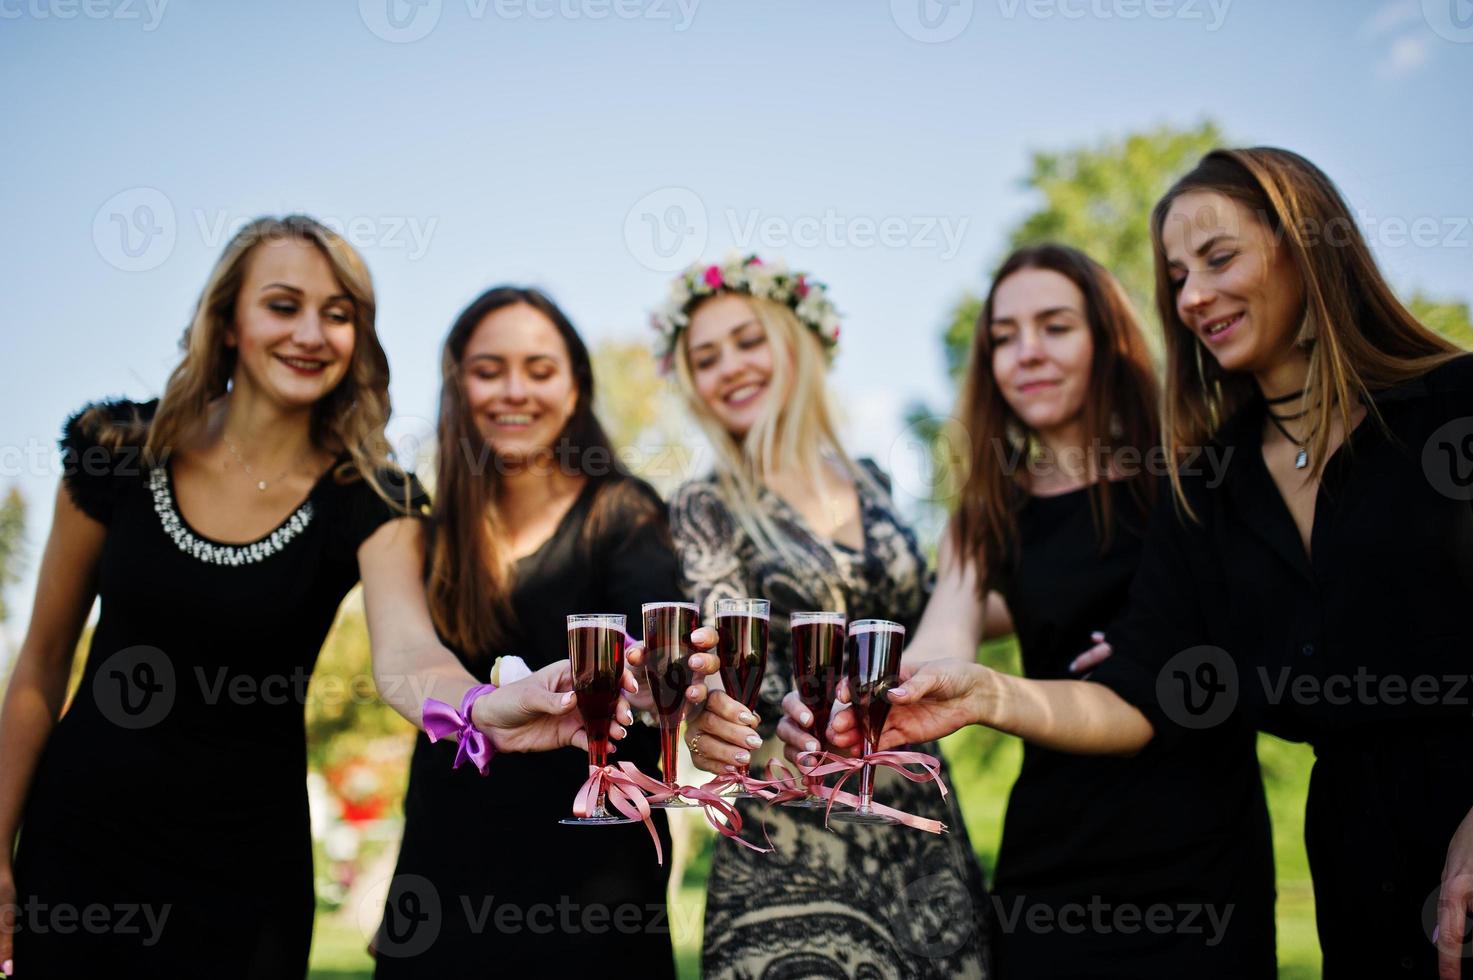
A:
[441,720]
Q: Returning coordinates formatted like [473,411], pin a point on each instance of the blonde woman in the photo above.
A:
[163,817]
[789,516]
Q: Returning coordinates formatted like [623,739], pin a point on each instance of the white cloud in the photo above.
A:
[1407,54]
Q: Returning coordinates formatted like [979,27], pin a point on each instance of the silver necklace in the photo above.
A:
[261,485]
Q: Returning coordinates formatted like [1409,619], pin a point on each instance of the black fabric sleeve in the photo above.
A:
[365,510]
[1164,617]
[93,471]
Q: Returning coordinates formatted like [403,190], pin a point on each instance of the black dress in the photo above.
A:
[488,883]
[1158,865]
[1361,647]
[167,820]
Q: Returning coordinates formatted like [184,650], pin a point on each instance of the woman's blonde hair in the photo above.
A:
[795,430]
[351,418]
[1358,335]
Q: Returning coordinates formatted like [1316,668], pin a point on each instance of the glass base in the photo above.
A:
[674,803]
[861,817]
[595,821]
[810,803]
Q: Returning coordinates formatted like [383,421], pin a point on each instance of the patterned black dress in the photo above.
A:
[857,902]
[166,830]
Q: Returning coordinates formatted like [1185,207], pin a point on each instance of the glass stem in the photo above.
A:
[866,780]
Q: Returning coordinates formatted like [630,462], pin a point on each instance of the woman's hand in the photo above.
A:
[1455,902]
[934,699]
[537,713]
[796,730]
[1093,657]
[722,736]
[701,665]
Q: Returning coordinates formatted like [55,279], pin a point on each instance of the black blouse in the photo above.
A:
[517,892]
[1361,647]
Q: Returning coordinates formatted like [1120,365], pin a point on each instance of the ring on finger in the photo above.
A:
[695,743]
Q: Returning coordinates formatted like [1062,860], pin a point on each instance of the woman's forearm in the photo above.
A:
[407,677]
[1081,717]
[33,702]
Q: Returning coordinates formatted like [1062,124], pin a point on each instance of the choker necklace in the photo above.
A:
[1285,398]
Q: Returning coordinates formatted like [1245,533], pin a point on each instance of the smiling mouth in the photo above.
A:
[1217,327]
[745,394]
[303,365]
[1037,386]
[513,420]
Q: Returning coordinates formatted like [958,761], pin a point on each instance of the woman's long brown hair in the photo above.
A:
[1120,411]
[469,572]
[1358,335]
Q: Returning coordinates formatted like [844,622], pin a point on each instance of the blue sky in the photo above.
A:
[878,143]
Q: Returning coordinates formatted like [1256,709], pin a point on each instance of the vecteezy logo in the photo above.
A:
[1451,20]
[1447,459]
[135,229]
[666,229]
[1198,688]
[411,917]
[400,21]
[929,459]
[134,688]
[934,916]
[932,21]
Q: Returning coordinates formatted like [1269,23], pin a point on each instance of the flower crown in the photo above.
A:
[809,300]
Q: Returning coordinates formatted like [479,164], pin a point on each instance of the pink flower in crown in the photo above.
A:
[713,276]
[801,289]
[754,260]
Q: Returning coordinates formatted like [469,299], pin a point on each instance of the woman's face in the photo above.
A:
[1042,347]
[293,330]
[519,382]
[1236,287]
[730,361]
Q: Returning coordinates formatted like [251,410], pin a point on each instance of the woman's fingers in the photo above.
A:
[796,738]
[795,709]
[1452,913]
[726,707]
[703,664]
[704,638]
[1093,657]
[634,652]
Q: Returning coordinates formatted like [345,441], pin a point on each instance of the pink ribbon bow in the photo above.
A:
[626,789]
[441,721]
[830,764]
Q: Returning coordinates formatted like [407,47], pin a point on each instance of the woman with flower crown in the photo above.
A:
[789,516]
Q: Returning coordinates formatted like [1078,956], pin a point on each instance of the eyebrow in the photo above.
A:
[1204,248]
[1040,315]
[500,359]
[711,343]
[294,289]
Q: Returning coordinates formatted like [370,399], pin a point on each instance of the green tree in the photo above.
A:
[1449,318]
[12,543]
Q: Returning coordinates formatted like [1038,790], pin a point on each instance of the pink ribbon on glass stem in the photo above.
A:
[828,764]
[441,721]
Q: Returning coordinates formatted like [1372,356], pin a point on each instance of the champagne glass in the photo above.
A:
[742,627]
[818,663]
[596,652]
[667,649]
[872,668]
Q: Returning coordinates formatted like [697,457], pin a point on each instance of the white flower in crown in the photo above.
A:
[808,299]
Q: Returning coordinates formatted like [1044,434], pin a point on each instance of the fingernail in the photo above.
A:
[1073,666]
[568,699]
[743,756]
[693,692]
[755,741]
[1436,931]
[899,692]
[7,968]
[728,768]
[806,718]
[748,718]
[1096,635]
[811,745]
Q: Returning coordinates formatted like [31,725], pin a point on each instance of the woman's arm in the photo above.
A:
[952,625]
[939,697]
[410,664]
[37,690]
